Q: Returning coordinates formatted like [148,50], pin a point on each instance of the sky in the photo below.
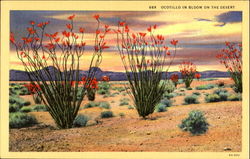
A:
[201,34]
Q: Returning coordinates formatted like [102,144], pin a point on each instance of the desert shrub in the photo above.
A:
[91,104]
[130,107]
[26,109]
[235,97]
[212,98]
[121,114]
[80,120]
[119,89]
[195,123]
[39,108]
[218,91]
[124,93]
[191,99]
[124,101]
[182,89]
[166,102]
[208,79]
[181,94]
[221,83]
[161,108]
[222,93]
[102,91]
[14,108]
[170,87]
[196,93]
[107,114]
[18,101]
[19,120]
[104,105]
[169,95]
[205,87]
[114,94]
[189,88]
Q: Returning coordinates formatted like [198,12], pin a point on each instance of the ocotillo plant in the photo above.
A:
[197,76]
[91,88]
[188,70]
[144,59]
[35,91]
[231,57]
[174,78]
[39,50]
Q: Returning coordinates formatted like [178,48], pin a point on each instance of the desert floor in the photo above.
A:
[130,133]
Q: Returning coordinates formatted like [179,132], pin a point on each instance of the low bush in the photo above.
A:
[170,87]
[182,89]
[166,102]
[212,98]
[191,99]
[80,121]
[130,107]
[19,120]
[205,87]
[181,94]
[14,108]
[104,105]
[107,114]
[26,109]
[121,115]
[189,88]
[91,104]
[195,123]
[235,97]
[114,94]
[221,83]
[124,101]
[196,93]
[103,91]
[39,108]
[161,108]
[18,101]
[218,91]
[169,95]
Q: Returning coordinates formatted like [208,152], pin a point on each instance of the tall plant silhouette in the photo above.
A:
[188,71]
[145,58]
[59,86]
[231,57]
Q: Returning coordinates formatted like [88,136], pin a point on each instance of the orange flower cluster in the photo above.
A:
[174,78]
[197,75]
[187,68]
[231,57]
[105,78]
[93,83]
[32,88]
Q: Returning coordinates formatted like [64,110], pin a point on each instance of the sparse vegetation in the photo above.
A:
[212,98]
[205,87]
[191,99]
[235,97]
[124,101]
[19,120]
[104,105]
[80,120]
[161,108]
[195,123]
[107,114]
[39,108]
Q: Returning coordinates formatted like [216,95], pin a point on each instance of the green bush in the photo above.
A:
[161,108]
[235,97]
[191,99]
[26,109]
[104,105]
[91,104]
[102,91]
[114,94]
[166,102]
[181,94]
[182,89]
[195,123]
[80,121]
[130,107]
[18,101]
[212,98]
[14,108]
[39,108]
[196,93]
[169,95]
[189,88]
[19,120]
[124,101]
[107,114]
[170,87]
[205,87]
[218,91]
[121,114]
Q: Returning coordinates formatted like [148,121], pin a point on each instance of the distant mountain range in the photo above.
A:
[16,75]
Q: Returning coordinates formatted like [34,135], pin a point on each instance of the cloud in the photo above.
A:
[224,18]
[202,19]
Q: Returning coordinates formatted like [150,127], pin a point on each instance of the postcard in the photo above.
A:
[125,79]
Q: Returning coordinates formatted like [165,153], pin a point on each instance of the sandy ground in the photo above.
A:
[131,133]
